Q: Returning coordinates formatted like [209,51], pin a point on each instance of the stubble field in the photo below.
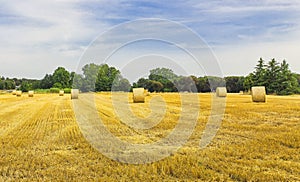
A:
[40,140]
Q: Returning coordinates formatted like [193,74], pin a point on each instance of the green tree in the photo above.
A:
[165,72]
[26,86]
[155,86]
[203,84]
[260,74]
[297,76]
[186,84]
[62,76]
[142,82]
[240,83]
[248,82]
[79,83]
[272,77]
[90,72]
[196,82]
[166,77]
[151,85]
[57,85]
[105,78]
[121,84]
[36,84]
[9,84]
[215,82]
[72,74]
[288,83]
[276,77]
[17,82]
[46,82]
[1,84]
[234,84]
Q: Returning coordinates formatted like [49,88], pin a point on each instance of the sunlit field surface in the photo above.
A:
[40,140]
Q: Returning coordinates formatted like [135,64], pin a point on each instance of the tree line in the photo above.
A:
[277,77]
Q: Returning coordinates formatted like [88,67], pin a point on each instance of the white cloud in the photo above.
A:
[38,36]
[45,22]
[43,35]
[243,58]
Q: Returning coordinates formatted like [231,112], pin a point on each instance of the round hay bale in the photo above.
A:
[30,93]
[14,92]
[19,93]
[258,94]
[221,92]
[74,93]
[138,95]
[61,93]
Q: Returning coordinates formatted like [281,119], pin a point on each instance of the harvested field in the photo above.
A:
[256,141]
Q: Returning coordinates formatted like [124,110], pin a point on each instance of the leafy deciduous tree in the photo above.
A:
[105,78]
[186,84]
[46,82]
[234,84]
[61,76]
[90,72]
[166,77]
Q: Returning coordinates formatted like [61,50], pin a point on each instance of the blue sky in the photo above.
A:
[38,36]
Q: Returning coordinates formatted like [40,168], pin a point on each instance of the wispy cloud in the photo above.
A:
[51,33]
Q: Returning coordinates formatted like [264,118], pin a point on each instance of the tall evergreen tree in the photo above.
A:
[272,77]
[276,77]
[287,82]
[259,75]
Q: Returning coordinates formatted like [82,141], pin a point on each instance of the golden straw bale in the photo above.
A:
[74,93]
[61,93]
[138,95]
[221,92]
[30,93]
[19,93]
[258,94]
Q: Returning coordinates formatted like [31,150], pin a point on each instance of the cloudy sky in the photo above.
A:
[38,36]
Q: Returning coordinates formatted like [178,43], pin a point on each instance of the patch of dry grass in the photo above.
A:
[257,141]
